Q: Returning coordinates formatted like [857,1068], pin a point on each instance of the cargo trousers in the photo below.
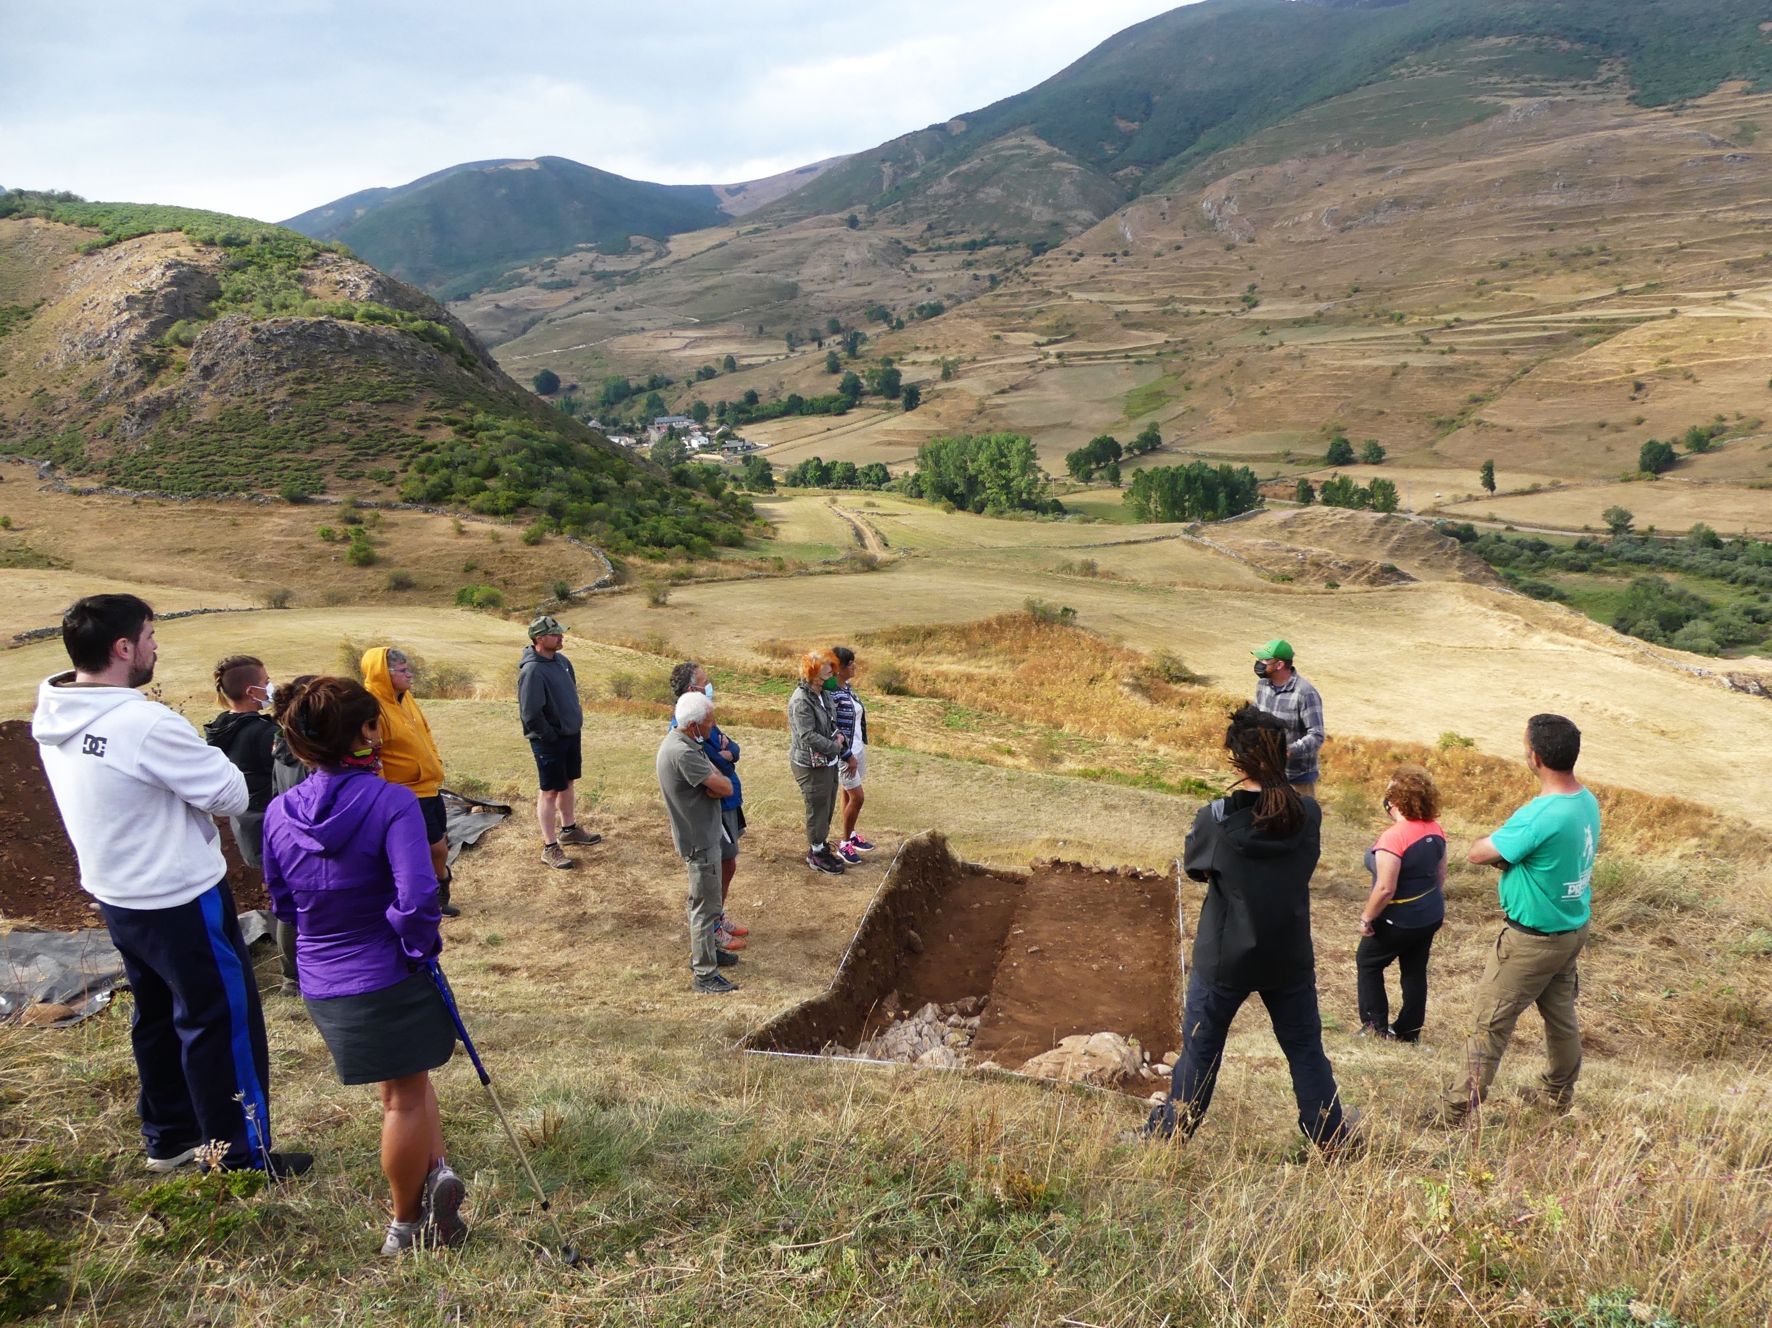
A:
[1524,969]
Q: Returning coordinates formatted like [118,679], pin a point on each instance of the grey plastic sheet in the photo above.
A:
[77,969]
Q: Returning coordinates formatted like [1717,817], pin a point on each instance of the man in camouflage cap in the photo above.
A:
[547,701]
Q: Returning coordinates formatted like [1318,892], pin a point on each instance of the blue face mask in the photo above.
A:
[708,691]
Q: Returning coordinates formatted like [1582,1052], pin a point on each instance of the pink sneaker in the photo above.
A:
[846,851]
[860,844]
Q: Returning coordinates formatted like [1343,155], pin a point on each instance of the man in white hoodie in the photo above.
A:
[138,790]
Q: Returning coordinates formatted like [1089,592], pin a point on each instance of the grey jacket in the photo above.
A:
[813,739]
[547,697]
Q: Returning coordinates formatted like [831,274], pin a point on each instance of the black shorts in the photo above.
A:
[436,818]
[557,763]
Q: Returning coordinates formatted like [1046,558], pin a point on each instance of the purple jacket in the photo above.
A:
[346,861]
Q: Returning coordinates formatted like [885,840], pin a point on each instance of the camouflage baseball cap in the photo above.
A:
[545,626]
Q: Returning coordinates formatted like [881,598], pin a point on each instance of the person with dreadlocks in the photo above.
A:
[1256,849]
[347,860]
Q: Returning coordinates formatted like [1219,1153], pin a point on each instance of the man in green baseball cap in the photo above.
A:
[1286,694]
[547,703]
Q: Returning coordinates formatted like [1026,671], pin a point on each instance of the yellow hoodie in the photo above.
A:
[408,752]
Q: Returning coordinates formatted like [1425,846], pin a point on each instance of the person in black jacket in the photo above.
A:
[248,736]
[244,731]
[1256,849]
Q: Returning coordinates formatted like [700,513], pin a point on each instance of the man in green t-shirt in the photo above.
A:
[1546,855]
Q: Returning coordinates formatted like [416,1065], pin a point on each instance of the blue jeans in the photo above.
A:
[1297,1027]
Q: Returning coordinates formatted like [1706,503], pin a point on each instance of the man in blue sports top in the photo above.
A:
[1546,853]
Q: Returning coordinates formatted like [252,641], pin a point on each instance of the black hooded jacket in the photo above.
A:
[246,741]
[1255,926]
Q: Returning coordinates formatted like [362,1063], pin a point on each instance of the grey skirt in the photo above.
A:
[388,1034]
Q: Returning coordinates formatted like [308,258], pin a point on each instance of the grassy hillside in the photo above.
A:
[190,353]
[1157,98]
[453,232]
[699,1184]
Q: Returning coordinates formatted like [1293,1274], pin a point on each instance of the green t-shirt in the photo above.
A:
[1550,844]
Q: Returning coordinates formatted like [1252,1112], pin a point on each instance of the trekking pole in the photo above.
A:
[567,1252]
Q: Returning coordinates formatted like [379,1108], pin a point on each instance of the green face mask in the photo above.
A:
[832,685]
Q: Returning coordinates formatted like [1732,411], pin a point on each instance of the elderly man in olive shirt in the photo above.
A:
[692,791]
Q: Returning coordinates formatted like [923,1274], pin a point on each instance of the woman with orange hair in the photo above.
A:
[815,750]
[1406,907]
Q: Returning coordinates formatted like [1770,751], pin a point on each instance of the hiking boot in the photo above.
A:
[572,834]
[443,1195]
[402,1236]
[735,928]
[170,1158]
[1349,1141]
[858,843]
[449,910]
[555,856]
[1444,1116]
[278,1166]
[1546,1101]
[824,861]
[288,988]
[725,959]
[714,984]
[726,942]
[848,853]
[444,907]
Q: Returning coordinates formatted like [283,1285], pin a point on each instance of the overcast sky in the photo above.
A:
[268,107]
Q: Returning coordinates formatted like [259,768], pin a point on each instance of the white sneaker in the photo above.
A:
[402,1236]
[162,1165]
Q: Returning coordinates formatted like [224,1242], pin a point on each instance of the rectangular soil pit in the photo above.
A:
[1062,950]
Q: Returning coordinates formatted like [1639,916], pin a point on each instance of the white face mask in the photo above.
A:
[708,691]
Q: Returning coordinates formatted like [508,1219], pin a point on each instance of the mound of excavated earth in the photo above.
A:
[1317,544]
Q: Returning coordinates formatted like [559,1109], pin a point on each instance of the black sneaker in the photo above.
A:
[449,910]
[824,862]
[715,984]
[723,958]
[278,1166]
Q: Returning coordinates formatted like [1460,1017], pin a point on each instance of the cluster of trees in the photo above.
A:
[502,466]
[751,408]
[617,390]
[1656,456]
[1341,491]
[992,473]
[1194,492]
[1102,454]
[815,473]
[1653,609]
[1099,455]
[1341,452]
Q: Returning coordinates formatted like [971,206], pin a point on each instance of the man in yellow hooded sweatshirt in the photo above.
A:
[409,754]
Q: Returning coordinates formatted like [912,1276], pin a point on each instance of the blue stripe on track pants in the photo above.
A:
[199,1032]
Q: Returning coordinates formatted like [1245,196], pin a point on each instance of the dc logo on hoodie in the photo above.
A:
[92,746]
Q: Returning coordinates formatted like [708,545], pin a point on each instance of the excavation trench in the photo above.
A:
[1013,962]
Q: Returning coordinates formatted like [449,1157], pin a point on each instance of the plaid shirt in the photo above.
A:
[1298,706]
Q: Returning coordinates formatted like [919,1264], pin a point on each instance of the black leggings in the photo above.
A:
[1409,946]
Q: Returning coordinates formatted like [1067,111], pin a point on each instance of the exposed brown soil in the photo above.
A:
[39,877]
[1088,952]
[1068,949]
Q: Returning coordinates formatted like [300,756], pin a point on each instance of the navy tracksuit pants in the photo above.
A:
[198,1032]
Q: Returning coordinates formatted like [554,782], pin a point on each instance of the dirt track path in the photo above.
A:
[869,538]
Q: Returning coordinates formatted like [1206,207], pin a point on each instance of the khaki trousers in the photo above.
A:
[1525,970]
[818,786]
[704,910]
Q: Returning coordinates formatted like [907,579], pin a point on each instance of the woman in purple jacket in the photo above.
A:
[346,860]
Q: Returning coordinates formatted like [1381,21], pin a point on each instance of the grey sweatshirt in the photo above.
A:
[547,697]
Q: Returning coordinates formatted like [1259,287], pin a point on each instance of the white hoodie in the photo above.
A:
[138,790]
